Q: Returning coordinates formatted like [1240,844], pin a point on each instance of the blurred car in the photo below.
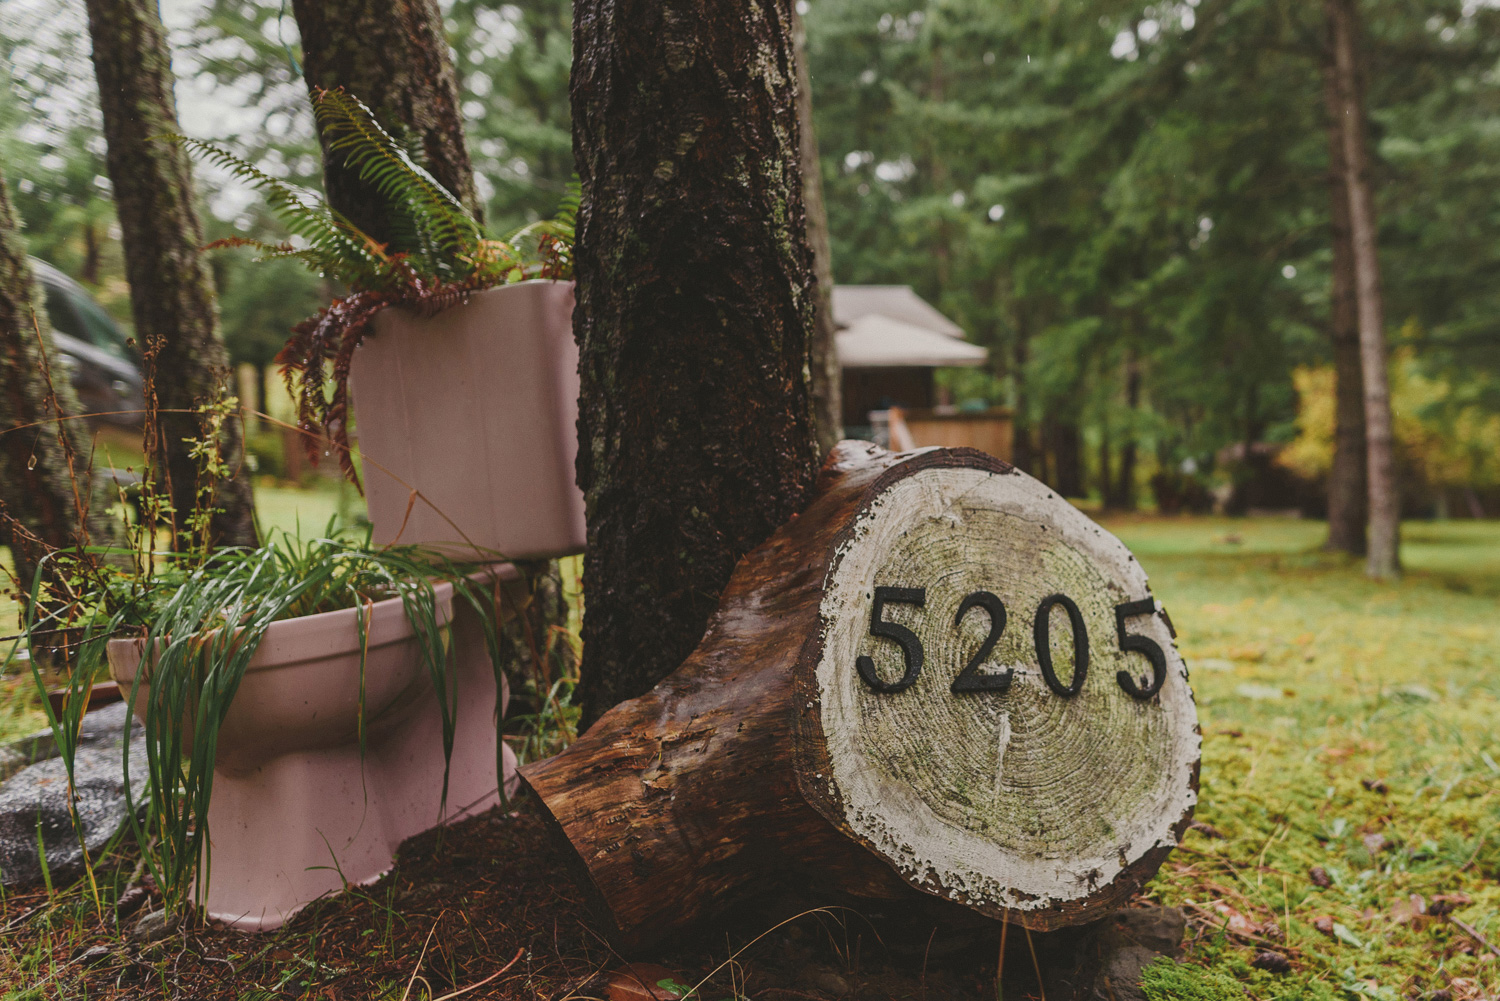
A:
[100,362]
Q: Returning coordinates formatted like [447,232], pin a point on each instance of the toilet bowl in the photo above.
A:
[296,810]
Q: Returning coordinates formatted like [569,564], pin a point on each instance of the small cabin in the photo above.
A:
[891,342]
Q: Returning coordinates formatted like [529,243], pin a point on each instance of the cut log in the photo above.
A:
[940,679]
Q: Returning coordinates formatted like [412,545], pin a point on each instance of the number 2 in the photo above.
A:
[970,680]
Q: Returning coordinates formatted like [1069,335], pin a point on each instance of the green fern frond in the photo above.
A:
[443,226]
[339,248]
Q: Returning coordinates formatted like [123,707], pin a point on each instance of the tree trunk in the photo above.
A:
[1106,483]
[826,382]
[834,731]
[43,476]
[695,309]
[1384,496]
[393,56]
[91,253]
[1067,458]
[1125,486]
[1347,501]
[171,292]
[1024,448]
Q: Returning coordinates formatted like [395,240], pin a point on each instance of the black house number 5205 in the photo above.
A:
[971,680]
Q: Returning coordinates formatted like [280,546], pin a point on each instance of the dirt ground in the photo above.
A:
[498,892]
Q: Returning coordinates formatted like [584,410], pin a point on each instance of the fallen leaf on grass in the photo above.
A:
[1207,830]
[1271,930]
[1251,690]
[1238,923]
[1408,910]
[1375,785]
[1465,989]
[1324,924]
[1415,693]
[1320,877]
[1271,962]
[1443,904]
[645,982]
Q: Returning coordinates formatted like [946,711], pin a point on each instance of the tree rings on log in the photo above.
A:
[940,679]
[1016,772]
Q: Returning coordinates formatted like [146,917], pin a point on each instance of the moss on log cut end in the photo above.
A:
[1018,798]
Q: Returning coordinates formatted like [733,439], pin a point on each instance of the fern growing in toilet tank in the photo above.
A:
[440,256]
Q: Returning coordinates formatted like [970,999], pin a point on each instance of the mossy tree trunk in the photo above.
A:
[171,291]
[1346,479]
[394,56]
[696,304]
[42,486]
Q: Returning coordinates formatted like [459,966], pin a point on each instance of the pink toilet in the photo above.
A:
[475,408]
[296,810]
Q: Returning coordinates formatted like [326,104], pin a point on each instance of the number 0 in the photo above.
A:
[1042,633]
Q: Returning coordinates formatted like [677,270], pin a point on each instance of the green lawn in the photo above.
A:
[1348,725]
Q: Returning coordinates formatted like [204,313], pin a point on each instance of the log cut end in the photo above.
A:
[1038,793]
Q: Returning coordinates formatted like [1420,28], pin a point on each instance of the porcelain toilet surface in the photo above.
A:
[296,809]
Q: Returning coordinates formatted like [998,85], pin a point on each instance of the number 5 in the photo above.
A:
[1140,644]
[911,646]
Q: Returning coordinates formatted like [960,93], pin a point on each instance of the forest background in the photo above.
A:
[1127,203]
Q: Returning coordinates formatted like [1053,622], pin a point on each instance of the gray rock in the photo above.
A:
[1120,977]
[37,797]
[153,927]
[830,983]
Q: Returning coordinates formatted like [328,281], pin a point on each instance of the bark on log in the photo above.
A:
[773,752]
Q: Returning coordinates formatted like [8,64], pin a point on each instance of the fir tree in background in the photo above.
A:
[513,63]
